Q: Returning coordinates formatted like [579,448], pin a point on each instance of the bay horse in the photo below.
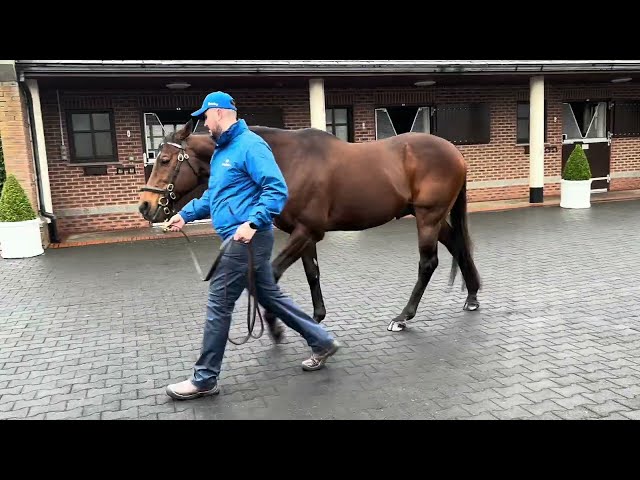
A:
[336,185]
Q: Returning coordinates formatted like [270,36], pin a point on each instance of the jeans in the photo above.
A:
[234,266]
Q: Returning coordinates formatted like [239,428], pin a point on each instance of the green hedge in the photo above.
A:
[577,166]
[14,204]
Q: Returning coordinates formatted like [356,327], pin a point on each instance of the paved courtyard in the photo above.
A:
[97,332]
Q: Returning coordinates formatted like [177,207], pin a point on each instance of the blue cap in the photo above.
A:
[216,100]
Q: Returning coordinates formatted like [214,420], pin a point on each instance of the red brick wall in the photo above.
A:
[16,139]
[501,159]
[625,152]
[70,188]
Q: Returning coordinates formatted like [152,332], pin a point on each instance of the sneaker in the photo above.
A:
[187,390]
[317,360]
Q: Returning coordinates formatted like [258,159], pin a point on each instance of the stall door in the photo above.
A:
[392,121]
[588,123]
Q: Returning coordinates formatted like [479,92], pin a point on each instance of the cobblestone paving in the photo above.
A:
[97,332]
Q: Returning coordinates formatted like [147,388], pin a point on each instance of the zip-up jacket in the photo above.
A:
[245,184]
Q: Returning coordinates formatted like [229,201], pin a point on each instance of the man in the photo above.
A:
[246,189]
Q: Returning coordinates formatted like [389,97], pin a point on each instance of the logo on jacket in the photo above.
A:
[226,163]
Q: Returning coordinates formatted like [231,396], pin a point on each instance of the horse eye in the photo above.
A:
[164,160]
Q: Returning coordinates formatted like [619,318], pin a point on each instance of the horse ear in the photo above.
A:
[185,131]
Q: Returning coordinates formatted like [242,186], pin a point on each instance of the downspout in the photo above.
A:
[53,222]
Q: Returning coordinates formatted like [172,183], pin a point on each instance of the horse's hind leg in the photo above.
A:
[429,223]
[466,268]
[296,244]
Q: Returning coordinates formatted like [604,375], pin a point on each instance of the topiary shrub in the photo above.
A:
[14,204]
[577,166]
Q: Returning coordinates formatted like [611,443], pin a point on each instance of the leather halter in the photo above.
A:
[168,195]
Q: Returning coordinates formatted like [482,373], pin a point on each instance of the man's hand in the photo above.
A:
[244,233]
[175,223]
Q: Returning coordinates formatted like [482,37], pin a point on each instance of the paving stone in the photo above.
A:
[551,340]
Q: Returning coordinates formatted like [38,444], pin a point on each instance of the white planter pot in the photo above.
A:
[575,193]
[21,239]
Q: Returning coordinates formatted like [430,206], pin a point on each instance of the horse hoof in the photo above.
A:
[276,336]
[471,306]
[396,326]
[276,333]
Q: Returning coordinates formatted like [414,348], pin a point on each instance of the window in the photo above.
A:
[92,138]
[160,123]
[156,133]
[626,119]
[523,111]
[463,123]
[339,122]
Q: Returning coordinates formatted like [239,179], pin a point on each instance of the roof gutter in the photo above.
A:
[34,68]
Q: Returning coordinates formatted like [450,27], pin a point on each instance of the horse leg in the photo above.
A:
[429,223]
[297,242]
[467,268]
[312,270]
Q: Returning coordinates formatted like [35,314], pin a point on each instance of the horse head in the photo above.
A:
[180,173]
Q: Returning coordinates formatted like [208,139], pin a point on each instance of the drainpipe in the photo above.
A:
[53,223]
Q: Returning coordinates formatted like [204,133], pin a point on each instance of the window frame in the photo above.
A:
[519,140]
[94,160]
[348,124]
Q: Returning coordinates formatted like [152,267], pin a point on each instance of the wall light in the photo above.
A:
[621,80]
[178,85]
[424,83]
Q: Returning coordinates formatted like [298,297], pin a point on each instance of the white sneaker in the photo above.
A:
[317,360]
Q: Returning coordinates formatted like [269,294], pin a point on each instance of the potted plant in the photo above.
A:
[575,185]
[19,226]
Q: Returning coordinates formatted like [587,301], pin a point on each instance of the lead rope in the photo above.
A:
[251,287]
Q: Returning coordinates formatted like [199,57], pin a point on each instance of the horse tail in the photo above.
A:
[461,243]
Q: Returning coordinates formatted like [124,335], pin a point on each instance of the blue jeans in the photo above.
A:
[218,317]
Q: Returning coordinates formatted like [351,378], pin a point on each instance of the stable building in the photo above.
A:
[81,135]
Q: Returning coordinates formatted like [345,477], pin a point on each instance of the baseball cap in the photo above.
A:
[216,100]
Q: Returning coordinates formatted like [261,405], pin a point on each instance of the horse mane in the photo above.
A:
[310,137]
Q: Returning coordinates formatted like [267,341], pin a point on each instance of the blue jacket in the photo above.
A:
[245,184]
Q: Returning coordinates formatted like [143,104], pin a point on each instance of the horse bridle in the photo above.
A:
[168,194]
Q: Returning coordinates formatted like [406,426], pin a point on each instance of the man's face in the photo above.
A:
[212,122]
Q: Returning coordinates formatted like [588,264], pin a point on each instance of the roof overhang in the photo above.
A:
[93,68]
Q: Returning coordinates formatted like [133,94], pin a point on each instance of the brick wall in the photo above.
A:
[71,188]
[16,139]
[625,152]
[501,159]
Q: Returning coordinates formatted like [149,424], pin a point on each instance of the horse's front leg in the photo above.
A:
[312,270]
[298,241]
